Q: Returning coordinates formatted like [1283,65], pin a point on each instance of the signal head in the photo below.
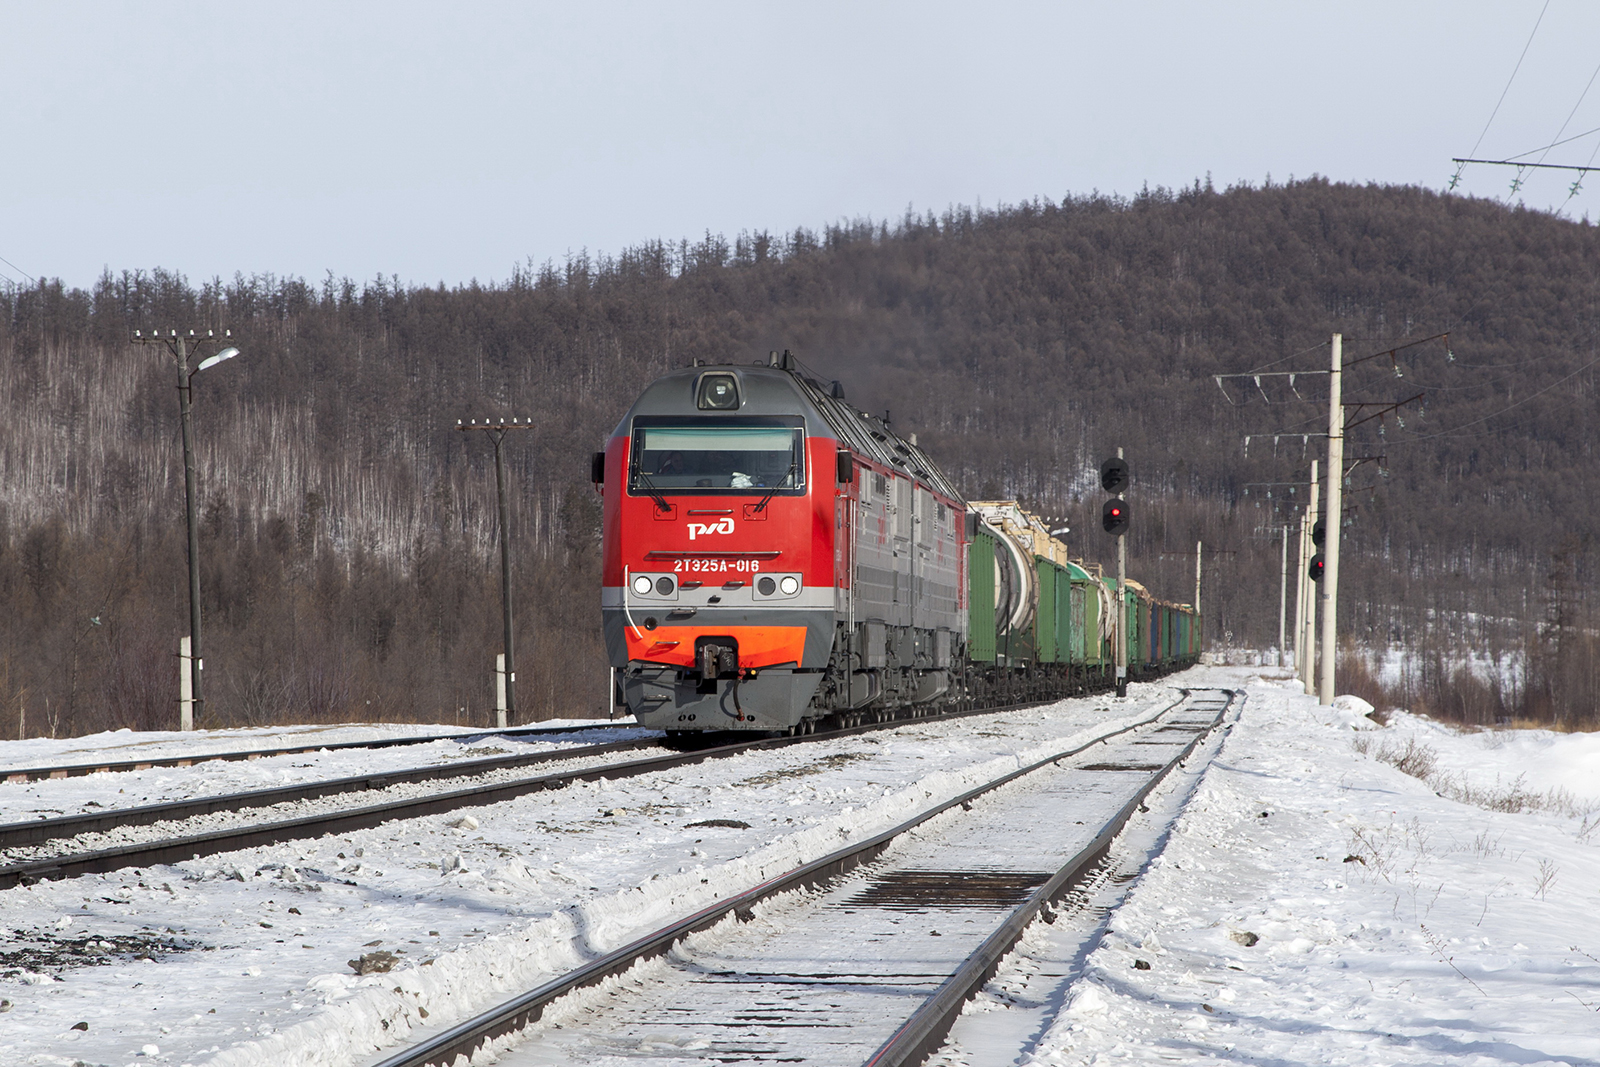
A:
[1114,517]
[1114,475]
[1316,567]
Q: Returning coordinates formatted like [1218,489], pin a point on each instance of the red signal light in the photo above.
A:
[1114,517]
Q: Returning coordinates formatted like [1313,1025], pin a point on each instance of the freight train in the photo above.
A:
[776,559]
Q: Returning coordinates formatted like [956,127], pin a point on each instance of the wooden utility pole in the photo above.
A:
[193,704]
[506,664]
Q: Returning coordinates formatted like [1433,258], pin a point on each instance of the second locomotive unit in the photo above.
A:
[775,557]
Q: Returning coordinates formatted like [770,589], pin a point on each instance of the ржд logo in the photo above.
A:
[721,526]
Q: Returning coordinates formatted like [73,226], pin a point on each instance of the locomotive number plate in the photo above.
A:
[716,566]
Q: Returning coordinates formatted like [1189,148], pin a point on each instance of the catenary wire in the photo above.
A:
[1506,90]
[1589,85]
[1509,407]
[18,269]
[1579,183]
[1553,144]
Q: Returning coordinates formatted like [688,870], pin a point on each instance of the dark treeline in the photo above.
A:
[348,539]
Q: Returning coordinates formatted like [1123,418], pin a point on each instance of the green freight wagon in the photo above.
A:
[1055,626]
[981,624]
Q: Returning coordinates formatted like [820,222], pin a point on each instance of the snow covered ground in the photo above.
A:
[246,958]
[1312,903]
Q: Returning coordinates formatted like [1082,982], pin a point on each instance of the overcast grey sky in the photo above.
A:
[446,142]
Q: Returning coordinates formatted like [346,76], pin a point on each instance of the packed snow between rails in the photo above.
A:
[1311,903]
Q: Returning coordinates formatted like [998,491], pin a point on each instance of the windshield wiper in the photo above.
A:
[650,487]
[786,476]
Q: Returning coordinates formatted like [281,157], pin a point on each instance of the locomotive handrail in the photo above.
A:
[627,587]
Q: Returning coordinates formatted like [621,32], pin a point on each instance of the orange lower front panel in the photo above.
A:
[759,646]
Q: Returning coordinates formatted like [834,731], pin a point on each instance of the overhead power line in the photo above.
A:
[1541,148]
[18,269]
[1476,144]
[1508,407]
[1589,85]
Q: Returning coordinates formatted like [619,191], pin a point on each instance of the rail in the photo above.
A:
[74,770]
[169,850]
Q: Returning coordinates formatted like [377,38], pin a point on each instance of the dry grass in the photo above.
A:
[1563,726]
[1421,761]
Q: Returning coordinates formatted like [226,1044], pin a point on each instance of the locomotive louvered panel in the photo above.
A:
[874,590]
[902,508]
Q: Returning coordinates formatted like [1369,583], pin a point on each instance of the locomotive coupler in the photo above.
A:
[716,657]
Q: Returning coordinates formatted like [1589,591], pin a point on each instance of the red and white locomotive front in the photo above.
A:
[722,489]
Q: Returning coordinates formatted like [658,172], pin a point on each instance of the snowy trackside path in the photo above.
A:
[1316,906]
[243,958]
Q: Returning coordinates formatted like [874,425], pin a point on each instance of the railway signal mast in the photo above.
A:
[1114,518]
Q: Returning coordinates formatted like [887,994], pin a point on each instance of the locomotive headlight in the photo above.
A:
[664,585]
[778,586]
[642,585]
[717,392]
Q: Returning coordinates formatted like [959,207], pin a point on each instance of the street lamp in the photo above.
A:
[179,345]
[212,361]
[506,675]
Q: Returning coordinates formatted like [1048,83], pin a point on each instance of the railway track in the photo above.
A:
[35,833]
[818,965]
[16,835]
[74,770]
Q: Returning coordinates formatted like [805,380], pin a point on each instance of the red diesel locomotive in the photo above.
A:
[774,556]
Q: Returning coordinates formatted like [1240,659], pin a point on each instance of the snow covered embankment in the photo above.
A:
[1316,905]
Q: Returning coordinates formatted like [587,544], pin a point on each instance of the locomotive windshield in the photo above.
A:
[716,454]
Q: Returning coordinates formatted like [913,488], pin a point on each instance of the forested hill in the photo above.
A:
[348,543]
